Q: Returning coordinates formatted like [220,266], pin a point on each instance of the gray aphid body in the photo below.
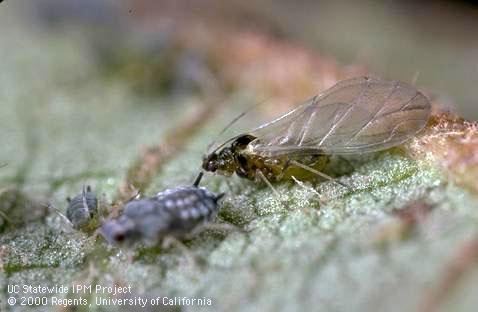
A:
[175,212]
[82,208]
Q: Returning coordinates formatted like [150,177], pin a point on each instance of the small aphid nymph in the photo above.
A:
[358,115]
[82,208]
[174,212]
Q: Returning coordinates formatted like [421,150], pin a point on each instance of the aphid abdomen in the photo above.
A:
[317,162]
[82,208]
[280,168]
[188,207]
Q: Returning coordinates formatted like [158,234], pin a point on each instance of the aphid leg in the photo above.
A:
[345,160]
[171,240]
[218,197]
[198,179]
[135,196]
[320,174]
[129,254]
[4,216]
[302,185]
[415,78]
[96,233]
[132,190]
[229,186]
[269,184]
[284,168]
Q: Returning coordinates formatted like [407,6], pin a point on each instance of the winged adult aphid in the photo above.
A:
[357,115]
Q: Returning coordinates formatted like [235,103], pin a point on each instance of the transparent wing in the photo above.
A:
[354,116]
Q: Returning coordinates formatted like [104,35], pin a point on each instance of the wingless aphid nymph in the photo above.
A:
[358,115]
[174,213]
[82,208]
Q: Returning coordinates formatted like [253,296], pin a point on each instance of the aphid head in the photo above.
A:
[222,161]
[117,231]
[225,160]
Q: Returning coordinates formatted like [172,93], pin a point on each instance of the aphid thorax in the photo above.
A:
[241,158]
[230,159]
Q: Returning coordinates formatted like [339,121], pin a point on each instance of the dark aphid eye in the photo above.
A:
[119,237]
[210,162]
[211,166]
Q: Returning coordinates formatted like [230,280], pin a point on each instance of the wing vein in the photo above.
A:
[409,101]
[395,87]
[306,127]
[352,106]
[392,133]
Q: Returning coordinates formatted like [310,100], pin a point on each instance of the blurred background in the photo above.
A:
[150,43]
[76,74]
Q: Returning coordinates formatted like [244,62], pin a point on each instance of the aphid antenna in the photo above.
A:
[415,78]
[198,179]
[230,124]
[58,211]
[5,217]
[320,174]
